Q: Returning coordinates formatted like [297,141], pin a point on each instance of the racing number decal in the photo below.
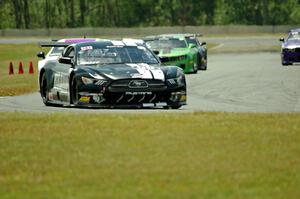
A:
[61,81]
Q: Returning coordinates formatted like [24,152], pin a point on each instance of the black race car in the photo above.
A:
[111,74]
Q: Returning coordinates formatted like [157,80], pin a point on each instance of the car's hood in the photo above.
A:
[292,43]
[173,52]
[124,71]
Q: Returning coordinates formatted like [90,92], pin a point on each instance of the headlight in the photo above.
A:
[179,80]
[87,81]
[291,50]
[183,57]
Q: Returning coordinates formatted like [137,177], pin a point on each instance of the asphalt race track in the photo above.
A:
[240,82]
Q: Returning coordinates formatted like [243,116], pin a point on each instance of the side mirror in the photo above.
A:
[281,39]
[203,43]
[65,60]
[41,55]
[192,46]
[156,52]
[164,59]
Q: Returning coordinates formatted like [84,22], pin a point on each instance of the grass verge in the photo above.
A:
[18,84]
[226,155]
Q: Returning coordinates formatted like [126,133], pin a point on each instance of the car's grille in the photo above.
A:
[173,59]
[137,85]
[135,97]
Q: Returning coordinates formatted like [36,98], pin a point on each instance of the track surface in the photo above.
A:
[247,82]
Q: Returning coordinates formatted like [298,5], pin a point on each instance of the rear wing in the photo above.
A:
[54,44]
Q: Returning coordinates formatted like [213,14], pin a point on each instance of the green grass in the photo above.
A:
[18,84]
[196,155]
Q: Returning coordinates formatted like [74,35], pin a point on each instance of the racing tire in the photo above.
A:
[286,64]
[195,68]
[203,68]
[172,107]
[204,65]
[74,92]
[43,89]
[175,107]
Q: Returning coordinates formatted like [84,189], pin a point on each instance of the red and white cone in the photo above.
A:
[21,71]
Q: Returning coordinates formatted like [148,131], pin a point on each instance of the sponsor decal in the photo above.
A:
[100,82]
[50,96]
[183,98]
[84,99]
[61,81]
[138,93]
[148,105]
[86,48]
[138,84]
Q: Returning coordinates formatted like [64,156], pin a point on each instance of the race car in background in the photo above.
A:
[138,42]
[290,48]
[175,50]
[202,50]
[111,74]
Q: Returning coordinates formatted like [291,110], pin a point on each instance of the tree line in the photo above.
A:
[29,14]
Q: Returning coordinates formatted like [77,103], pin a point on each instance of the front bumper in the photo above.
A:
[119,94]
[290,57]
[186,65]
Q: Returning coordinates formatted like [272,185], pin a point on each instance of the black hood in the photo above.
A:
[125,71]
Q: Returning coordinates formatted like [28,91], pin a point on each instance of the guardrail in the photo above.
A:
[142,31]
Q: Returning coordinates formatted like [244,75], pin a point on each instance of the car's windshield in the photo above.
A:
[115,55]
[294,36]
[158,44]
[191,41]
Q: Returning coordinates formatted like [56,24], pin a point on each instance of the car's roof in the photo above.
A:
[163,37]
[107,43]
[180,35]
[294,30]
[172,36]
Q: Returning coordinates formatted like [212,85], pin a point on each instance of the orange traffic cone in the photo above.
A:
[21,71]
[30,68]
[10,69]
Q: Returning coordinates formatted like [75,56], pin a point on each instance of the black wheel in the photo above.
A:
[74,91]
[43,89]
[203,64]
[195,68]
[172,107]
[175,107]
[286,64]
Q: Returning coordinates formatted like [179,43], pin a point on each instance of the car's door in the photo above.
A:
[61,74]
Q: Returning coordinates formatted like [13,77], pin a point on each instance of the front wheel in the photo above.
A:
[43,89]
[286,64]
[195,68]
[172,107]
[74,91]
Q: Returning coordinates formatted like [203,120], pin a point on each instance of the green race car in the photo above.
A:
[175,50]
